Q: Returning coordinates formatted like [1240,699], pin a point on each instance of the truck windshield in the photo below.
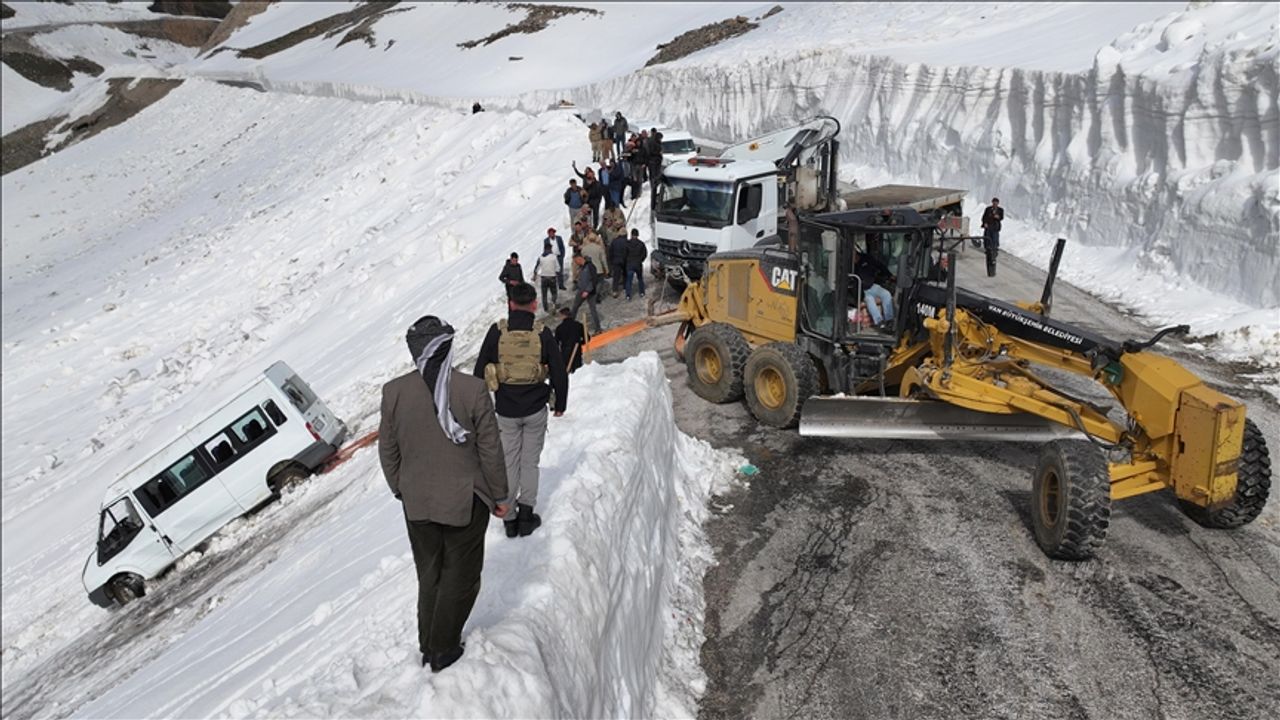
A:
[676,147]
[696,202]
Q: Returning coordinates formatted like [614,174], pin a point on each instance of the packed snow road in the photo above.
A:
[901,579]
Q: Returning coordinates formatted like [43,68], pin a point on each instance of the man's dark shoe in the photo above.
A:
[528,521]
[512,527]
[440,661]
[425,659]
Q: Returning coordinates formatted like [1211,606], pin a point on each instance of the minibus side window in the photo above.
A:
[118,525]
[251,429]
[275,413]
[220,450]
[168,487]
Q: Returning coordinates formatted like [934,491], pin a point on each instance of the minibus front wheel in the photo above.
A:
[125,588]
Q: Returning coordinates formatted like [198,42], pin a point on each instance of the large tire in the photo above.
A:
[1071,499]
[715,356]
[125,588]
[1253,486]
[778,378]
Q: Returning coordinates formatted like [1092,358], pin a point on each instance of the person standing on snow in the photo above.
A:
[992,217]
[618,260]
[593,136]
[439,447]
[616,182]
[594,191]
[516,359]
[619,133]
[574,199]
[477,108]
[511,274]
[571,336]
[613,224]
[635,255]
[653,153]
[557,243]
[585,288]
[546,273]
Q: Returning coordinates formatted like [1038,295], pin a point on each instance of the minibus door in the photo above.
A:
[187,502]
[131,540]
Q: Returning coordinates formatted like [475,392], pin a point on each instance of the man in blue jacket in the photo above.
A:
[574,198]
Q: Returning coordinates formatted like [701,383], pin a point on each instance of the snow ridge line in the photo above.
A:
[1184,169]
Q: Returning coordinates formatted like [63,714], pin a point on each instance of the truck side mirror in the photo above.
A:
[749,201]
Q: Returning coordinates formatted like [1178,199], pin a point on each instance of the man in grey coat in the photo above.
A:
[442,457]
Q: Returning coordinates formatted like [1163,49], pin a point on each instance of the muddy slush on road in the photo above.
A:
[874,579]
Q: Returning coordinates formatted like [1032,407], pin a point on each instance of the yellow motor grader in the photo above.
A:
[781,324]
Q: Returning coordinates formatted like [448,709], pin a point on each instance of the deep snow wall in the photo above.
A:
[1184,168]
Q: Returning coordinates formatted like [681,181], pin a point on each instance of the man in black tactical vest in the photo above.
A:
[517,358]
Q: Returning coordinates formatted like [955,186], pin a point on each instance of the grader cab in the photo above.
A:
[783,326]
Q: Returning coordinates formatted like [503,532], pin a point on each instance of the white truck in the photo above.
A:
[242,453]
[708,205]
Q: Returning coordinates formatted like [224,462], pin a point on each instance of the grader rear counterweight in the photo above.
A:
[782,326]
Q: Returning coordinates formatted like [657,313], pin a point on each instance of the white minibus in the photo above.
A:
[270,434]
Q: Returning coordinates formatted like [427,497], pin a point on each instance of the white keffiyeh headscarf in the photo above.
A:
[440,391]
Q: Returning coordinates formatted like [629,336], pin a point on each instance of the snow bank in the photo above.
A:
[168,259]
[598,614]
[24,101]
[29,14]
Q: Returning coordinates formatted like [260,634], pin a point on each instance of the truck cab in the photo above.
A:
[709,205]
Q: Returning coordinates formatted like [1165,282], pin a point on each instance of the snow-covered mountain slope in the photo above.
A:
[1152,129]
[154,267]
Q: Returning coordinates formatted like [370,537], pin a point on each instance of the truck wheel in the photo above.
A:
[125,588]
[1071,499]
[715,356]
[778,378]
[288,476]
[1253,485]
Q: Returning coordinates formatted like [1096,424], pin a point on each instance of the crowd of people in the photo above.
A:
[452,453]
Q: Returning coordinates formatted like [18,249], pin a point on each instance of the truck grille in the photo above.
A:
[685,250]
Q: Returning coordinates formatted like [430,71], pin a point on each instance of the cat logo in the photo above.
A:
[783,279]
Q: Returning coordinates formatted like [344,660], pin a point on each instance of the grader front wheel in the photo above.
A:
[1071,499]
[715,356]
[778,378]
[1253,485]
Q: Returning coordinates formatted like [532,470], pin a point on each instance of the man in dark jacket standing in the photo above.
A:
[441,455]
[991,219]
[517,358]
[511,274]
[594,191]
[653,153]
[574,199]
[571,336]
[585,288]
[619,133]
[636,253]
[618,261]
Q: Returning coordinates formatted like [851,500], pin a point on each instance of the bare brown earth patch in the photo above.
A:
[216,9]
[356,23]
[702,38]
[39,67]
[240,14]
[537,17]
[126,97]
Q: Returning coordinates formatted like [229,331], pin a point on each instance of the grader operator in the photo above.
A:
[779,324]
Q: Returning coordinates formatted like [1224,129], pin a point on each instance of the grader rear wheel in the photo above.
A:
[1071,499]
[715,356]
[1253,485]
[778,378]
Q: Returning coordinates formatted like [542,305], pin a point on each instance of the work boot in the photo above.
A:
[440,661]
[528,520]
[511,527]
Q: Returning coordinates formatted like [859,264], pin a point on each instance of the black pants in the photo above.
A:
[550,293]
[991,246]
[619,276]
[449,560]
[595,214]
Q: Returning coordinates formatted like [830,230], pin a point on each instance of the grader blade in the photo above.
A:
[906,419]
